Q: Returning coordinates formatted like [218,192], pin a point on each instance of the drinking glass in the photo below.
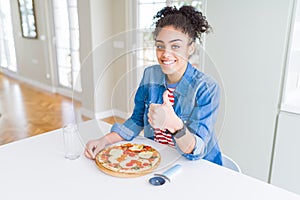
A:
[71,141]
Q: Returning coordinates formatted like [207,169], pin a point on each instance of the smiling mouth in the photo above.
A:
[168,62]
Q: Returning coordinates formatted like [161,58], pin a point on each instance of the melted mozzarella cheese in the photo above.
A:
[115,154]
[137,147]
[145,154]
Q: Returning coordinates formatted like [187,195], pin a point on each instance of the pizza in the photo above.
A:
[128,160]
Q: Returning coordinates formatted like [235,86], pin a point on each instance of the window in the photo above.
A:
[27,16]
[7,46]
[67,43]
[291,94]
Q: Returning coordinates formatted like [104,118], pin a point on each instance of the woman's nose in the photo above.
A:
[167,52]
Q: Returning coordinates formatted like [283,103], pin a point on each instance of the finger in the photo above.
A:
[89,149]
[152,124]
[153,106]
[152,111]
[87,154]
[150,119]
[152,115]
[97,149]
[166,98]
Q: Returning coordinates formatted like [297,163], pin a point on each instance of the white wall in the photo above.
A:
[248,46]
[86,46]
[286,164]
[104,67]
[95,26]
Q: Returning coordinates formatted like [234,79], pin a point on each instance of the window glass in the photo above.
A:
[7,46]
[291,94]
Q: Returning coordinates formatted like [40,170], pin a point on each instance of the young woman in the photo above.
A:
[175,103]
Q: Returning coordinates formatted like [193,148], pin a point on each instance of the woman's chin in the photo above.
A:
[167,69]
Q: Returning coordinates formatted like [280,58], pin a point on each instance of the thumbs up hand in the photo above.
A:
[162,116]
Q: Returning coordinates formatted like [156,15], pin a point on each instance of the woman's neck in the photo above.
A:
[175,77]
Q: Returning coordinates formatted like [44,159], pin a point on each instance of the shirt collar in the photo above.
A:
[184,82]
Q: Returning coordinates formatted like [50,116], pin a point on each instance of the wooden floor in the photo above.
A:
[26,111]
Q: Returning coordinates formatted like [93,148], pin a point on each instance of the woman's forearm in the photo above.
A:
[187,142]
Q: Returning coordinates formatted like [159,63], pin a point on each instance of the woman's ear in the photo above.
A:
[191,49]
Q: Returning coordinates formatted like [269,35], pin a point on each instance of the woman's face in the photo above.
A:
[173,49]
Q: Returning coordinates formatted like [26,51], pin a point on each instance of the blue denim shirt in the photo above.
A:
[196,103]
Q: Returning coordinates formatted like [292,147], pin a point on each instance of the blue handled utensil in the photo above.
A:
[160,179]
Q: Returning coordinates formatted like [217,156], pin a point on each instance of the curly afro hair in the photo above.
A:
[187,19]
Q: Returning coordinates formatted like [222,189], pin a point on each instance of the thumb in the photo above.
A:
[166,98]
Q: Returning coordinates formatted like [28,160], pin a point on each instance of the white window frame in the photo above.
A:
[291,88]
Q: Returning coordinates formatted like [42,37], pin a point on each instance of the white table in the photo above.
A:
[35,168]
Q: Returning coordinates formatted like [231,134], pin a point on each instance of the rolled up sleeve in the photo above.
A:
[197,152]
[202,120]
[129,130]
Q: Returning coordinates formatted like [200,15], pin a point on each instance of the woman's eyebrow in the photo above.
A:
[159,41]
[175,40]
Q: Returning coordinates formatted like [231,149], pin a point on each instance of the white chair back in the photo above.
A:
[230,164]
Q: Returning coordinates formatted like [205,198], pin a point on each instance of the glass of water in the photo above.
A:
[71,141]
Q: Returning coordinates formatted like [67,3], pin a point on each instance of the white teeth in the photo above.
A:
[168,62]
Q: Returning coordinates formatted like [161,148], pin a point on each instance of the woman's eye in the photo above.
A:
[160,47]
[175,46]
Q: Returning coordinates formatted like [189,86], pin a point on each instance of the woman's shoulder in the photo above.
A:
[153,74]
[201,77]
